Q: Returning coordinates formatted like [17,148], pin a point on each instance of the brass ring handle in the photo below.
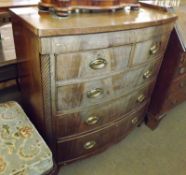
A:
[95,93]
[134,120]
[155,48]
[141,98]
[99,63]
[147,74]
[89,145]
[92,120]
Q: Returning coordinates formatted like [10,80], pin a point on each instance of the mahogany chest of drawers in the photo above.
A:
[170,89]
[87,79]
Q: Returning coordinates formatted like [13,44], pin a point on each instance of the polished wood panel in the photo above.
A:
[43,24]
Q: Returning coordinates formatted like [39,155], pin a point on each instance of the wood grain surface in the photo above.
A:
[44,24]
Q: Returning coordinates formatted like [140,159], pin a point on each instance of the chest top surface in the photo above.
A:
[44,24]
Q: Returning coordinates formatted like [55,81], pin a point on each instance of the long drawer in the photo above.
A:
[67,44]
[98,115]
[92,63]
[85,94]
[75,148]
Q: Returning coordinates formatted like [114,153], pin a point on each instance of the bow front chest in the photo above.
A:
[87,79]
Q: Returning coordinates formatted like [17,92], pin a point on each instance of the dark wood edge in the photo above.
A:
[8,62]
[152,121]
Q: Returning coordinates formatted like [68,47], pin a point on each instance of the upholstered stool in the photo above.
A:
[22,149]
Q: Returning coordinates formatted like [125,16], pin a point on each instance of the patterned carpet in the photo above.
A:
[143,152]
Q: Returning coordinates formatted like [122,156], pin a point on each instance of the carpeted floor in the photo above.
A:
[143,152]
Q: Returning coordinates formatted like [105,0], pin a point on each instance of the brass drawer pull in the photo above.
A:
[89,145]
[147,74]
[92,120]
[182,84]
[155,48]
[141,98]
[95,93]
[182,70]
[134,120]
[99,63]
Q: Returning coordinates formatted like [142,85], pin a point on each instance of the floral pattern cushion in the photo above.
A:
[22,149]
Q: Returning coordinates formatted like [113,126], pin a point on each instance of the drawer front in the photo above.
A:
[99,115]
[181,69]
[149,49]
[75,148]
[178,84]
[174,99]
[92,92]
[76,43]
[91,63]
[125,81]
[83,94]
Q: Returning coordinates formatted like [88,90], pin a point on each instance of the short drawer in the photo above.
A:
[75,43]
[149,49]
[125,81]
[75,148]
[91,63]
[89,93]
[178,84]
[181,69]
[95,117]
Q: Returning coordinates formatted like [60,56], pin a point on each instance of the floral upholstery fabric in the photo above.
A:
[22,149]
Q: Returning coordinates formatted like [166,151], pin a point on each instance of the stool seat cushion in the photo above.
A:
[22,149]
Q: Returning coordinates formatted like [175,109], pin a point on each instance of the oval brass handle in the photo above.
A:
[155,48]
[92,120]
[182,70]
[95,93]
[99,63]
[134,120]
[147,74]
[182,84]
[89,145]
[141,98]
